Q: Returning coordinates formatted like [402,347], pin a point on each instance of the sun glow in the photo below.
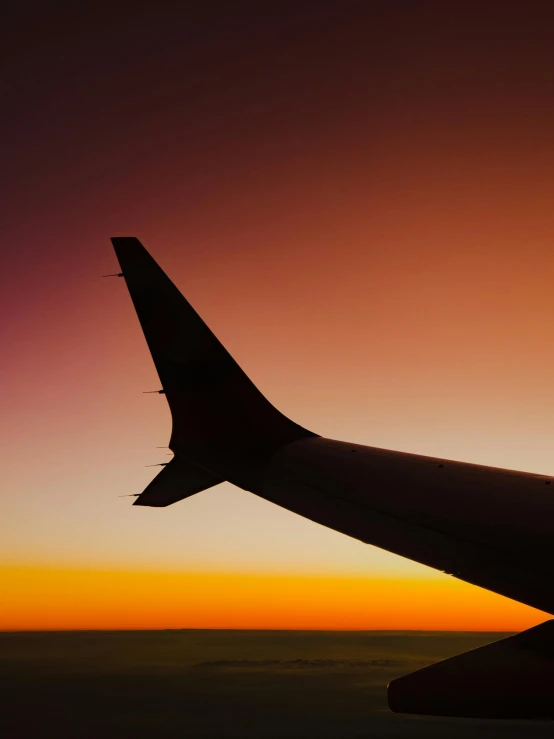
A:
[44,599]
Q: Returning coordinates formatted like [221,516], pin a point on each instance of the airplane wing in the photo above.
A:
[490,527]
[508,679]
[487,526]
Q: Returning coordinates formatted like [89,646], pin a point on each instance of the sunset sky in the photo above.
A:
[358,198]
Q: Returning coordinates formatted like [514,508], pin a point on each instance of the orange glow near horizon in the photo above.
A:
[49,599]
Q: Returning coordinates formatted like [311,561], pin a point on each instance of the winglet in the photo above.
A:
[221,421]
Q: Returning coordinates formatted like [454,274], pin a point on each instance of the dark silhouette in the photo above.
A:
[210,684]
[490,527]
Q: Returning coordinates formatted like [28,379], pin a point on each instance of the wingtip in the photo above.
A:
[125,242]
[130,252]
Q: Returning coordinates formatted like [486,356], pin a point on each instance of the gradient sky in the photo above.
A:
[357,198]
